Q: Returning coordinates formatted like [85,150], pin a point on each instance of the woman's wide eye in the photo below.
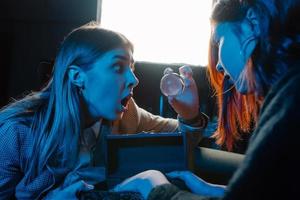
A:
[118,67]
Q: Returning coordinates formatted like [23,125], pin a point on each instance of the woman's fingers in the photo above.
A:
[179,174]
[78,187]
[131,184]
[144,180]
[174,174]
[127,185]
[186,104]
[187,74]
[186,71]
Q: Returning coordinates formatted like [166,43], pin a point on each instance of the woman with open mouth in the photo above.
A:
[48,148]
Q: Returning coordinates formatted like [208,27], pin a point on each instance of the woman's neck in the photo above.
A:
[86,119]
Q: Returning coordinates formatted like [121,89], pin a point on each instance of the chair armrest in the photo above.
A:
[216,166]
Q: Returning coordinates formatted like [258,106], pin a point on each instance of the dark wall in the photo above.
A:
[30,32]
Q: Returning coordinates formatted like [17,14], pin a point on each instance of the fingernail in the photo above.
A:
[186,71]
[89,186]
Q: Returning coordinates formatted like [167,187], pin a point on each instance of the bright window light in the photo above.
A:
[167,31]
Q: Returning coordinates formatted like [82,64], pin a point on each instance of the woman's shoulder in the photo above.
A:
[293,77]
[12,130]
[281,105]
[15,123]
[287,86]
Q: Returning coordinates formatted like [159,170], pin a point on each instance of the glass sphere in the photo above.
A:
[171,84]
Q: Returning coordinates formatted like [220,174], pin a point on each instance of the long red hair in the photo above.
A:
[237,113]
[278,47]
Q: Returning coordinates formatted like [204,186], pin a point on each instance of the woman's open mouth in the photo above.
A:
[125,101]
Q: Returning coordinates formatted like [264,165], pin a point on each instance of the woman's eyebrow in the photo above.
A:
[122,57]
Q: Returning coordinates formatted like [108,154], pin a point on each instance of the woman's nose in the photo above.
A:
[132,80]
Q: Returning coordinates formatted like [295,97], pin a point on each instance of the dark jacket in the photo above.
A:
[15,146]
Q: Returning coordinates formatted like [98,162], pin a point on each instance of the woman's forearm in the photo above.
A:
[201,187]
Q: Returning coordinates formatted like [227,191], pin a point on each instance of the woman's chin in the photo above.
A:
[114,117]
[242,89]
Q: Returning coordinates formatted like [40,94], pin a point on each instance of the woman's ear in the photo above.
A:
[252,18]
[249,34]
[76,76]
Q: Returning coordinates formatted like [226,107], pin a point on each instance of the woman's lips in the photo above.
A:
[125,102]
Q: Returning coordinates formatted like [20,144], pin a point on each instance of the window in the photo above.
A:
[167,31]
